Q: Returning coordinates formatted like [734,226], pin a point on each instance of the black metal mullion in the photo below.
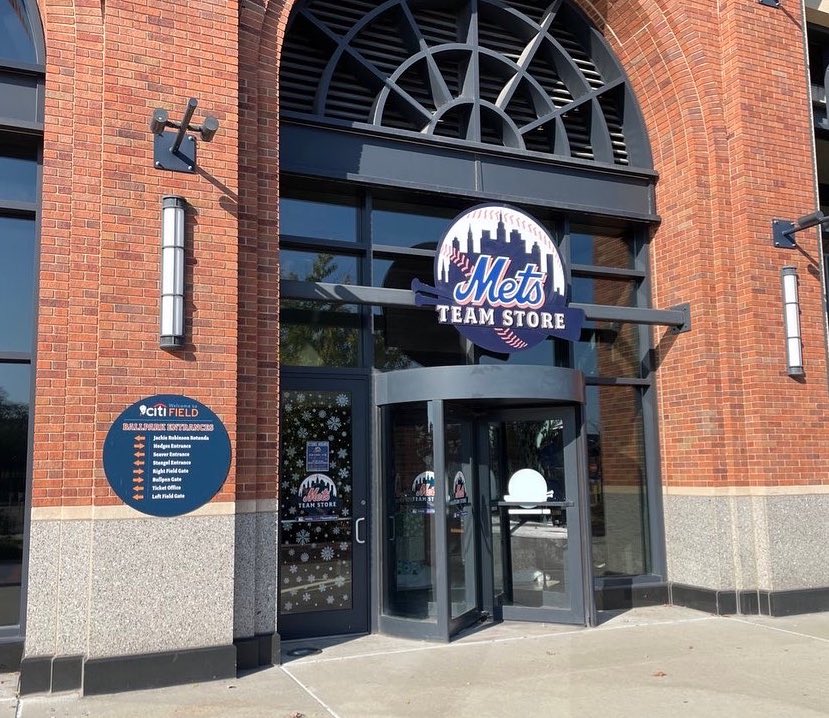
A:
[18,209]
[15,357]
[437,83]
[600,272]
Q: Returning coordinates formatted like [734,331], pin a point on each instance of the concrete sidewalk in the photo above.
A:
[662,661]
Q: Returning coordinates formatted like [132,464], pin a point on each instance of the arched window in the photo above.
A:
[515,74]
[21,139]
[17,39]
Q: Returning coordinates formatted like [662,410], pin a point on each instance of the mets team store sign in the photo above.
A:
[500,280]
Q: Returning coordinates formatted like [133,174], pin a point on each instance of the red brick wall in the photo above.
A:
[723,92]
[108,66]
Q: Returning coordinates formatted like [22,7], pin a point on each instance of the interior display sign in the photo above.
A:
[166,455]
[500,280]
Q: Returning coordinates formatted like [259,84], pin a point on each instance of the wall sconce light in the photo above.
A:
[177,151]
[783,231]
[791,322]
[172,271]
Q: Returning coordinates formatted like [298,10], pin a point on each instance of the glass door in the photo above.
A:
[537,559]
[323,549]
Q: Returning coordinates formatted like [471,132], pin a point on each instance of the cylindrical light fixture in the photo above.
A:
[791,322]
[172,271]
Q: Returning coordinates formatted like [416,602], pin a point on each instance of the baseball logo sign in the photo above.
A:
[500,280]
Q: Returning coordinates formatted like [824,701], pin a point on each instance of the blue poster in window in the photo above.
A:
[166,455]
[317,455]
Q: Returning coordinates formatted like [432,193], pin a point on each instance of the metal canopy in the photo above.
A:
[349,294]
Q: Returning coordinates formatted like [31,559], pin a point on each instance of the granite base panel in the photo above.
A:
[94,676]
[750,603]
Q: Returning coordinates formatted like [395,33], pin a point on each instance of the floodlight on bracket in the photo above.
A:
[782,231]
[176,151]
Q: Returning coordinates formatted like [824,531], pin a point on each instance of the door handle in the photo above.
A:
[357,531]
[393,527]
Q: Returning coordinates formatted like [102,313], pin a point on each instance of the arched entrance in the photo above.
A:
[395,119]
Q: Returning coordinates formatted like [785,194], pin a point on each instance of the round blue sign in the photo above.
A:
[500,280]
[166,455]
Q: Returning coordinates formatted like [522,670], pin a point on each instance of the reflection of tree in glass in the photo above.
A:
[319,333]
[14,428]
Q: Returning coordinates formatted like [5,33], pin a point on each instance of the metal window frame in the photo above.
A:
[15,126]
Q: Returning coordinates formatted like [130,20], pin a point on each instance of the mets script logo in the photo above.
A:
[318,490]
[500,280]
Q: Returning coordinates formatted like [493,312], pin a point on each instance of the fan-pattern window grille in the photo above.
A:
[521,75]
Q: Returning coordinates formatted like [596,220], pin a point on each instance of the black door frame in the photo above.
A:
[357,619]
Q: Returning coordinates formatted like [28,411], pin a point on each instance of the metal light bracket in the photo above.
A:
[176,151]
[782,231]
[685,308]
[783,234]
[770,3]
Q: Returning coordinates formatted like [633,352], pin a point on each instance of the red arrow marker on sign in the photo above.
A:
[138,497]
[138,463]
[140,438]
[139,454]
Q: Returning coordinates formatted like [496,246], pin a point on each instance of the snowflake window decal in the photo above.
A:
[521,74]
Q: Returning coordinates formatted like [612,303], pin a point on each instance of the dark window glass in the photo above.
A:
[17,267]
[400,225]
[542,354]
[16,41]
[615,292]
[602,249]
[323,267]
[332,218]
[608,349]
[616,475]
[410,565]
[14,433]
[319,334]
[407,337]
[398,273]
[18,169]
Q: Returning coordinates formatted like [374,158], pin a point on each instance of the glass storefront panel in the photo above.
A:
[319,334]
[616,476]
[316,544]
[18,168]
[406,338]
[602,248]
[613,292]
[411,564]
[461,531]
[14,436]
[324,217]
[395,224]
[314,267]
[608,349]
[399,272]
[17,269]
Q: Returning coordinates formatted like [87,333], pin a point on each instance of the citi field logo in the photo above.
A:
[500,279]
[160,410]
